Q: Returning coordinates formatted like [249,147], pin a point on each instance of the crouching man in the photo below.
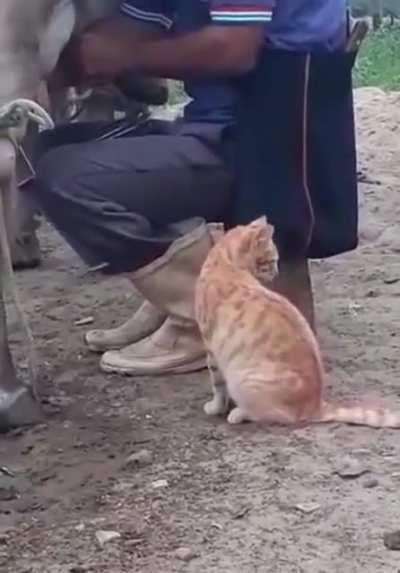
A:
[142,200]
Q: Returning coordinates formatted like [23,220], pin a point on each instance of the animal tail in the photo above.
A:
[359,416]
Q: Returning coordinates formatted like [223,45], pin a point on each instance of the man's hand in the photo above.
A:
[97,54]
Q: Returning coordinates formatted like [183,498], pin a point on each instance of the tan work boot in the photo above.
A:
[144,322]
[169,282]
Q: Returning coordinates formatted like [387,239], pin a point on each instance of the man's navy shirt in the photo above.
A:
[289,24]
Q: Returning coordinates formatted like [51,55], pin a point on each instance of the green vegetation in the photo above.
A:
[379,60]
[176,92]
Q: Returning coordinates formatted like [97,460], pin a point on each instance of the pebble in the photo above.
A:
[84,321]
[66,377]
[138,459]
[351,469]
[54,314]
[308,508]
[8,493]
[132,543]
[370,483]
[160,483]
[392,540]
[185,554]
[104,537]
[239,513]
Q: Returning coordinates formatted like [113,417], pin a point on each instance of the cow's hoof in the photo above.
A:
[25,252]
[18,408]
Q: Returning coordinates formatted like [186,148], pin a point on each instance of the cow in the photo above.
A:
[32,36]
[56,20]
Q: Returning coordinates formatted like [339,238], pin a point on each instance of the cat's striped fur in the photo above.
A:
[263,354]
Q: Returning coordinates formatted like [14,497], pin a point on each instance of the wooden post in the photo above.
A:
[377,13]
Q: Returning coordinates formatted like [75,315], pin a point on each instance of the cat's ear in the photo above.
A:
[270,231]
[264,229]
[260,222]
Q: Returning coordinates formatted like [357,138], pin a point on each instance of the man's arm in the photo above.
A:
[211,51]
[228,46]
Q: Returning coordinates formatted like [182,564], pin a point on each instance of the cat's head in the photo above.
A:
[252,247]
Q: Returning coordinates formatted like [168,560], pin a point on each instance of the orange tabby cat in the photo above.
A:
[262,353]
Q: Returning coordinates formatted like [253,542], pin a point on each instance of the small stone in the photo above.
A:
[351,469]
[132,543]
[239,513]
[361,452]
[66,377]
[392,540]
[372,294]
[185,554]
[6,471]
[54,314]
[307,508]
[370,483]
[160,483]
[104,537]
[84,321]
[139,459]
[8,493]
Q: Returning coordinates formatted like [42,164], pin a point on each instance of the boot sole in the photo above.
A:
[100,350]
[194,366]
[97,349]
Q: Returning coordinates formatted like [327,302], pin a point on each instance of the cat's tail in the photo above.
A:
[359,416]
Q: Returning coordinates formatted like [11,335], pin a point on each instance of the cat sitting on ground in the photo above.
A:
[263,355]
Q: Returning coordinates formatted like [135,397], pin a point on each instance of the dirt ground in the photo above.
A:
[241,499]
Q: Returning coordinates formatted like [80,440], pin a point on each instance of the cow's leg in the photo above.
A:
[18,406]
[25,250]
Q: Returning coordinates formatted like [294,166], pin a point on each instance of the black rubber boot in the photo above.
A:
[294,283]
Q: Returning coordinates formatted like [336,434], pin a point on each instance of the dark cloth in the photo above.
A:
[118,193]
[289,25]
[295,154]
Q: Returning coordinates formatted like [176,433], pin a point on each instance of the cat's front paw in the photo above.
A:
[236,416]
[214,408]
